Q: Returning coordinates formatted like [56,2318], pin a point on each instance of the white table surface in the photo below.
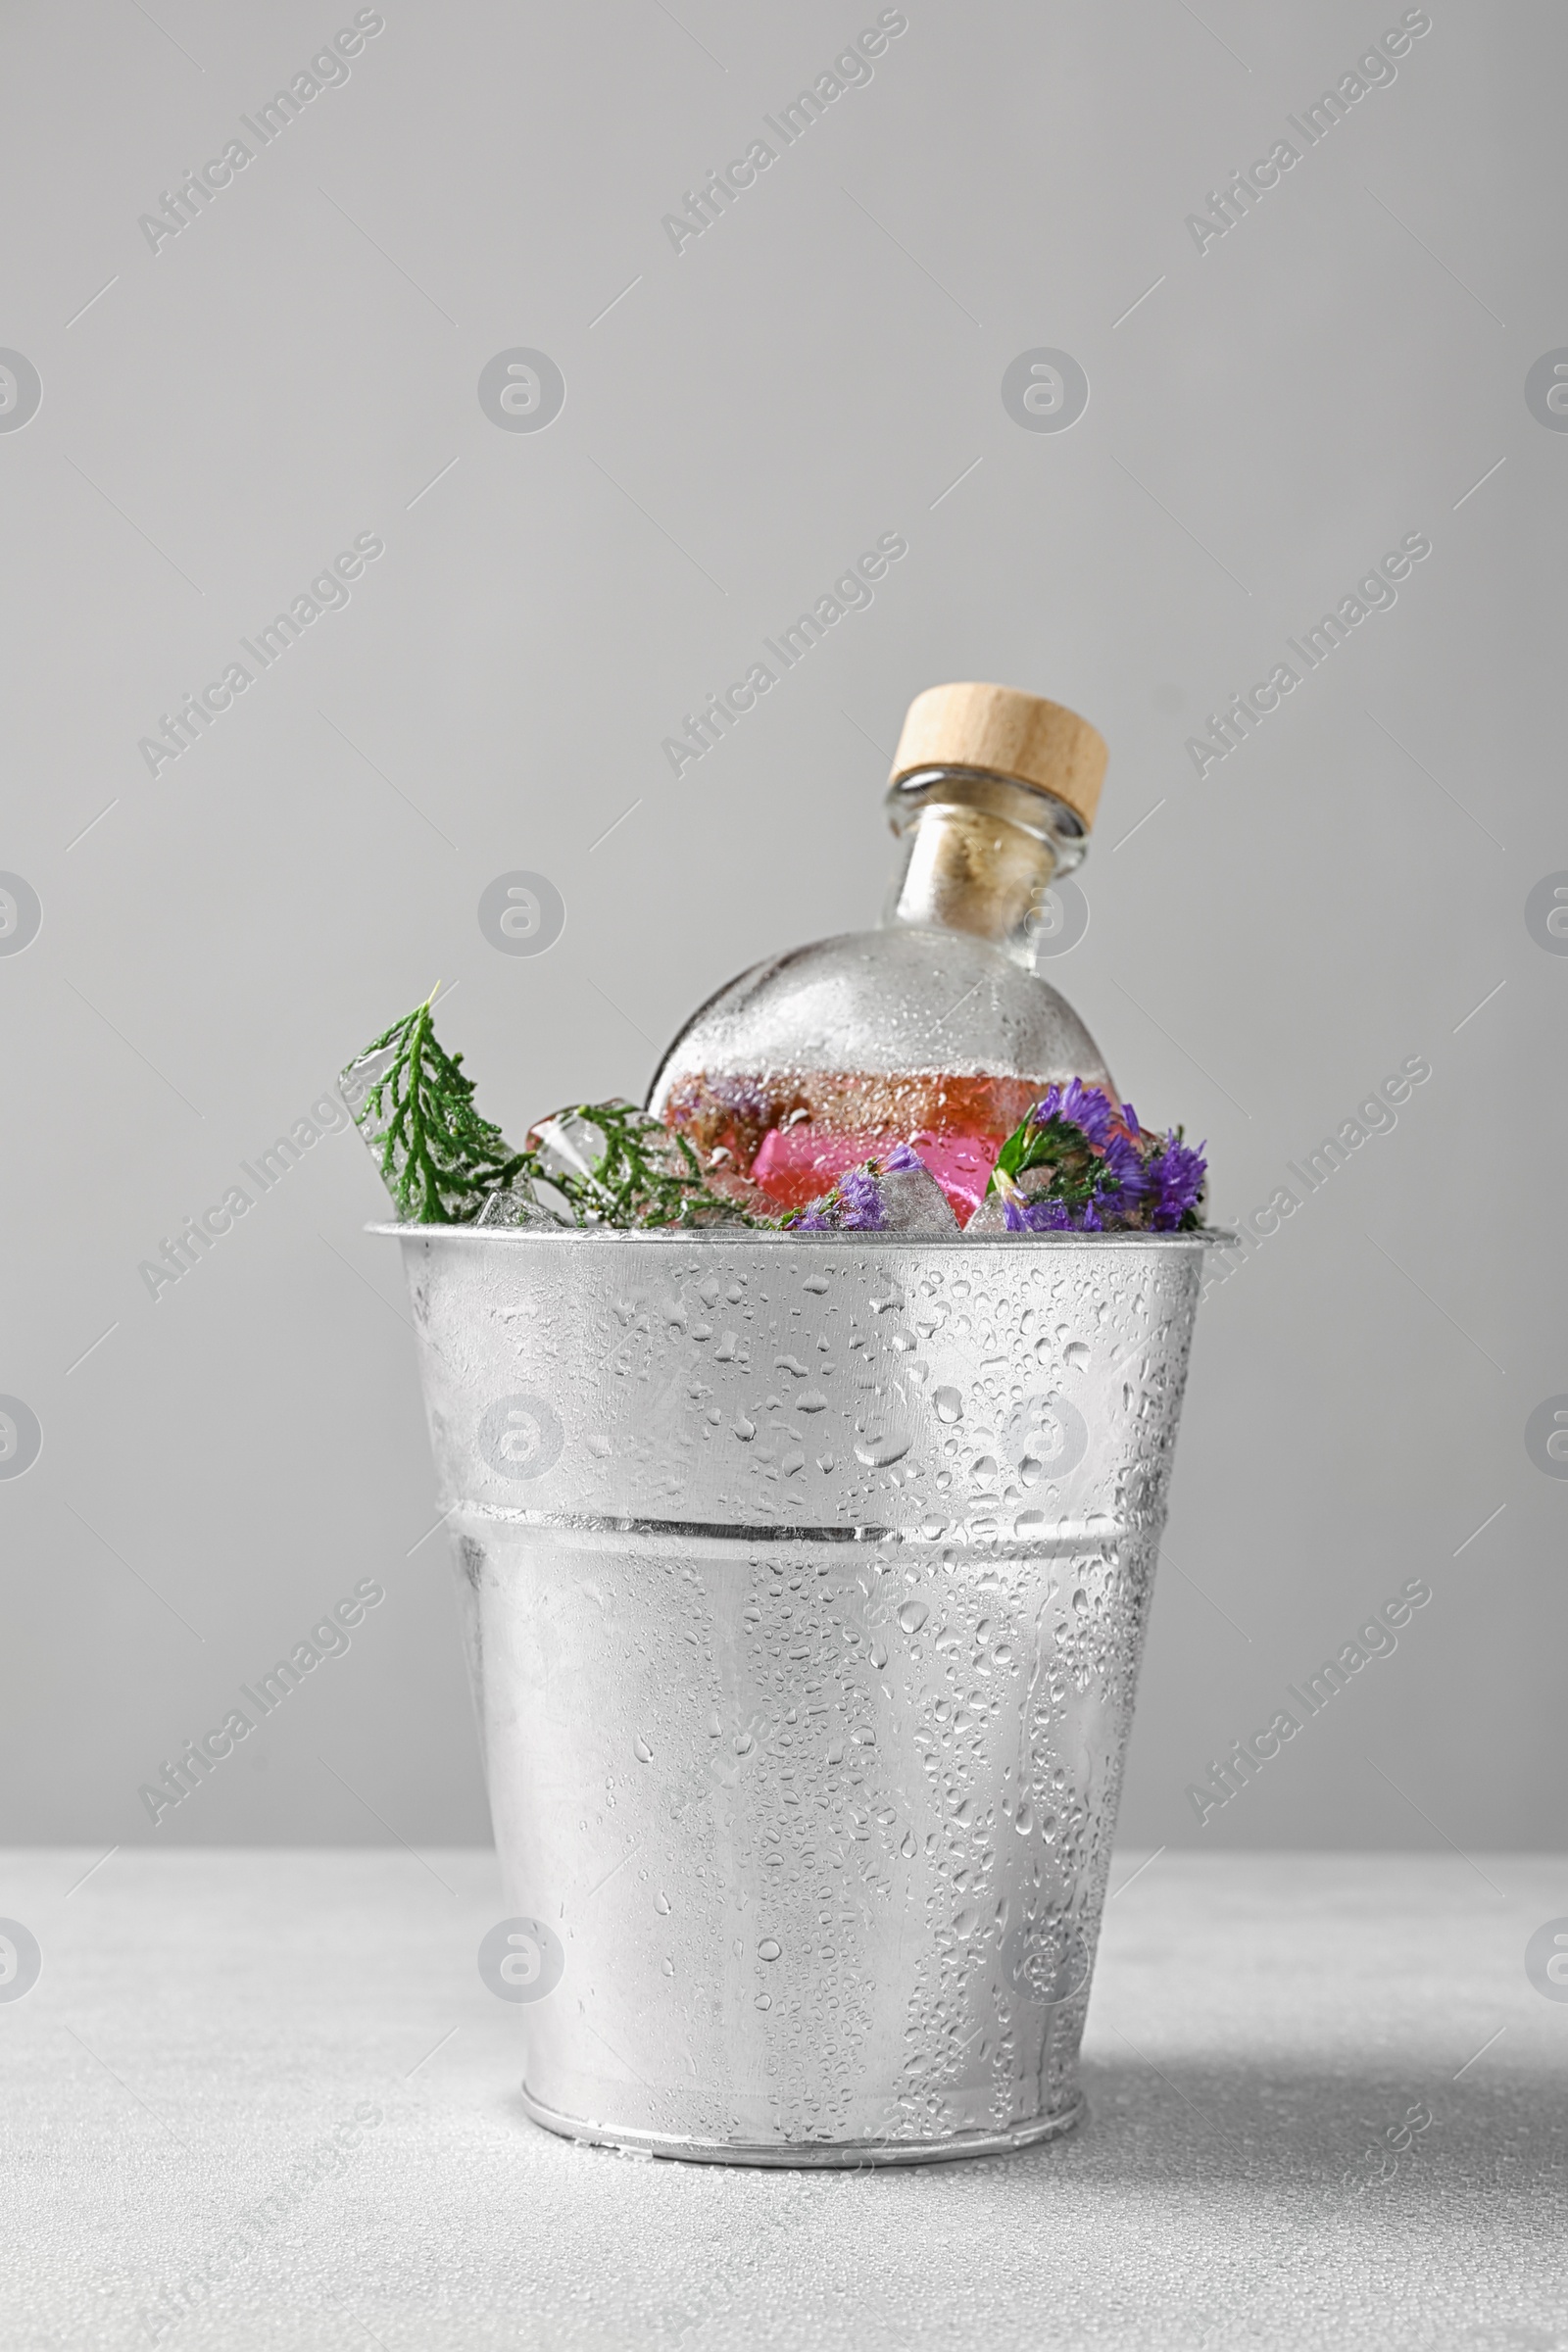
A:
[205,2020]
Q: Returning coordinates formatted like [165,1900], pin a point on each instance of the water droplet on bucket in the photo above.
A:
[880,1448]
[909,1848]
[1075,1354]
[913,1615]
[1023,1820]
[662,1905]
[948,1404]
[745,1430]
[769,1949]
[640,1751]
[765,2000]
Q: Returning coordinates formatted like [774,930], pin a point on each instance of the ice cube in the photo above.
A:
[517,1207]
[567,1144]
[894,1195]
[913,1202]
[356,1084]
[360,1076]
[1020,1213]
[961,1161]
[408,1089]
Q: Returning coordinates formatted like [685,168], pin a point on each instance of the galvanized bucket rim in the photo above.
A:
[1206,1237]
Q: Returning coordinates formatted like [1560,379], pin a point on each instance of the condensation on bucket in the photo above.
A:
[805,1585]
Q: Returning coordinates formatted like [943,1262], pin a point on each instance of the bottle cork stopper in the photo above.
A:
[1004,733]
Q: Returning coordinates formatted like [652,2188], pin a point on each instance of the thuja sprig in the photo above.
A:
[438,1159]
[634,1171]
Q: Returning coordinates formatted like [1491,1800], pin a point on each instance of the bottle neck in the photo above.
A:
[978,853]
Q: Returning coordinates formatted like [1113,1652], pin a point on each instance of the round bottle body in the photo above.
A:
[811,1062]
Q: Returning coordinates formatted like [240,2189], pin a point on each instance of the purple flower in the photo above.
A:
[810,1220]
[1089,1108]
[858,1202]
[1084,1108]
[901,1157]
[1122,1179]
[1177,1173]
[1135,1180]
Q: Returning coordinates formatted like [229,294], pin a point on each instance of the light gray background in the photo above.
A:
[823,365]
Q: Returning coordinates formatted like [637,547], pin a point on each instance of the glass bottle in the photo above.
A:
[935,1029]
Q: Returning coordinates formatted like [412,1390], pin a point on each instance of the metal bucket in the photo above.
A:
[804,1580]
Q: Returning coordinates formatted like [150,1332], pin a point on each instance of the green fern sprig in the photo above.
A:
[438,1158]
[645,1176]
